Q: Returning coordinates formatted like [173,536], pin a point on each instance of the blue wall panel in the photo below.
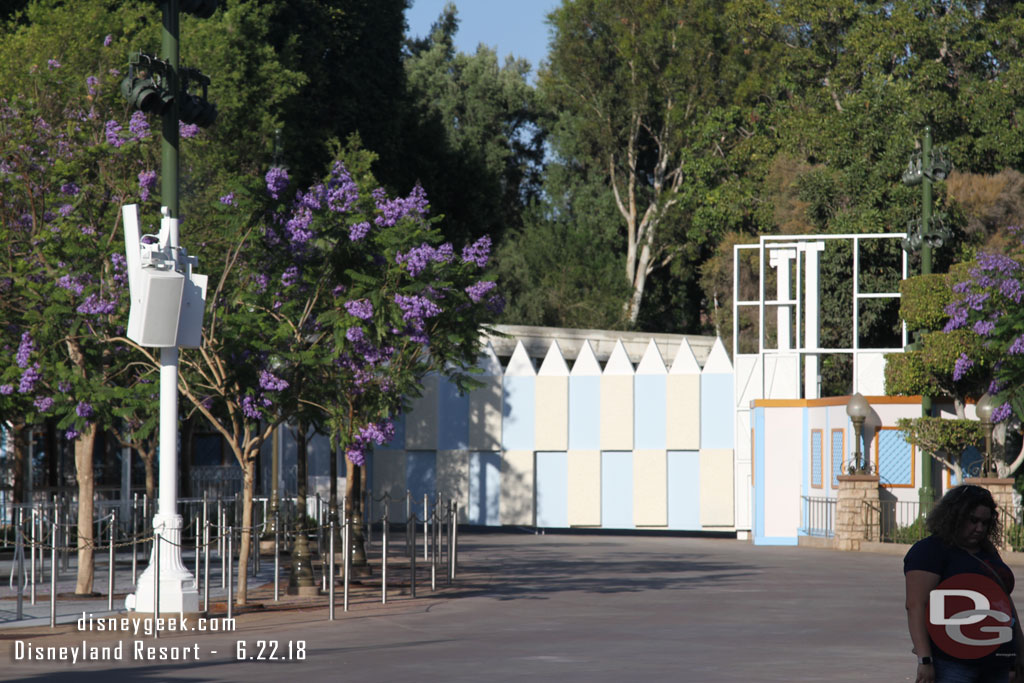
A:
[552,489]
[484,488]
[649,411]
[453,418]
[716,411]
[684,490]
[584,413]
[517,427]
[617,490]
[420,471]
[758,522]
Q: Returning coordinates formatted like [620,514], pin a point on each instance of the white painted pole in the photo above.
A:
[812,318]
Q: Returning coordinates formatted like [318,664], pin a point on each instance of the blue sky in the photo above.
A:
[510,26]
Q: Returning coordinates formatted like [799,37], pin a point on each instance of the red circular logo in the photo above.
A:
[969,616]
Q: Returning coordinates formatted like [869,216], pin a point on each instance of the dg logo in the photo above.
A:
[969,616]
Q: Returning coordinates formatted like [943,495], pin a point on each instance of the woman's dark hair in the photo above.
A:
[948,516]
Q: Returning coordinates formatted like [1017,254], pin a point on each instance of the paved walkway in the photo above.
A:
[558,608]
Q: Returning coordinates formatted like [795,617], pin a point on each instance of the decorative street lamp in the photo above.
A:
[984,409]
[858,409]
[924,168]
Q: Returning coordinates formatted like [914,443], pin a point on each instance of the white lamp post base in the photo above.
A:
[179,591]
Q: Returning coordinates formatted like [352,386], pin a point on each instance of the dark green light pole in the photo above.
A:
[169,141]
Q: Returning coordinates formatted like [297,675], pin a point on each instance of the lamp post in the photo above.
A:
[858,409]
[984,409]
[924,168]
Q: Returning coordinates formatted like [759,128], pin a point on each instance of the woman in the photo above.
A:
[964,527]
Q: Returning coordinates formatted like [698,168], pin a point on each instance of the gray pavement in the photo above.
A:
[556,607]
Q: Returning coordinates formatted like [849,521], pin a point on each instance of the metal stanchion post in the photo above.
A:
[455,541]
[330,584]
[156,586]
[206,565]
[19,561]
[32,557]
[412,559]
[53,578]
[277,555]
[384,556]
[222,540]
[408,520]
[347,558]
[230,596]
[197,527]
[426,520]
[135,539]
[112,561]
[433,549]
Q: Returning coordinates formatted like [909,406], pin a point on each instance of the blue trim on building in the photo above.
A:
[684,490]
[758,419]
[716,411]
[517,425]
[776,540]
[552,473]
[484,488]
[649,411]
[453,417]
[584,413]
[617,490]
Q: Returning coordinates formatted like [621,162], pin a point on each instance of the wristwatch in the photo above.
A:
[924,660]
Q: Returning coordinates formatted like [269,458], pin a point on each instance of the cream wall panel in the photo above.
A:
[617,412]
[421,423]
[517,475]
[716,488]
[452,478]
[552,413]
[389,469]
[650,488]
[682,428]
[485,416]
[584,488]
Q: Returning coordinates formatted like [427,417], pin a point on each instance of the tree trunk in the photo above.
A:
[19,439]
[86,488]
[248,490]
[354,512]
[148,456]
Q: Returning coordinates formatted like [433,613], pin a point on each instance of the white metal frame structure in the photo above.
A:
[803,332]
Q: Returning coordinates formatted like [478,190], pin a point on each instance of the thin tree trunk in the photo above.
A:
[148,456]
[248,491]
[86,488]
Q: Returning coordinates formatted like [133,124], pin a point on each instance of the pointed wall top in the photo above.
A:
[520,363]
[618,362]
[586,362]
[685,362]
[718,360]
[652,363]
[554,363]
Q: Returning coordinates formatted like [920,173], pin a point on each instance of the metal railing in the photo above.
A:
[894,521]
[817,516]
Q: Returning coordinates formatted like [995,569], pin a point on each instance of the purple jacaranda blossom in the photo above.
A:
[1001,413]
[1000,264]
[358,231]
[356,455]
[63,386]
[108,40]
[147,181]
[139,126]
[25,348]
[1012,290]
[393,210]
[94,305]
[416,307]
[29,379]
[71,283]
[228,199]
[66,209]
[187,131]
[418,258]
[6,389]
[479,290]
[87,229]
[113,133]
[43,404]
[984,327]
[377,432]
[339,290]
[52,64]
[71,434]
[269,382]
[360,308]
[342,191]
[84,410]
[962,365]
[496,304]
[70,189]
[90,83]
[1017,347]
[251,406]
[478,253]
[262,282]
[290,276]
[277,181]
[297,227]
[355,334]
